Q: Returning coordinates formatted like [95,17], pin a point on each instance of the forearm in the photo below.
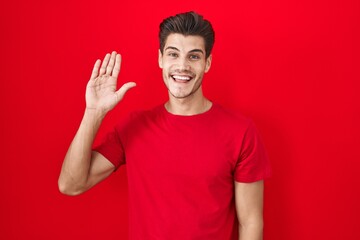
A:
[76,165]
[251,231]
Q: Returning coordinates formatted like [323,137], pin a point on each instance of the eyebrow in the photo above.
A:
[192,51]
[197,50]
[173,48]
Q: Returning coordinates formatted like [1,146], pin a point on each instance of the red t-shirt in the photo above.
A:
[181,171]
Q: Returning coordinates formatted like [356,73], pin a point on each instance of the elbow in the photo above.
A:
[253,225]
[69,190]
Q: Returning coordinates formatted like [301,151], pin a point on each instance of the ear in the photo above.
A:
[208,63]
[160,60]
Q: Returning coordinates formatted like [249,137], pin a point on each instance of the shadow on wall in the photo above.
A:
[278,203]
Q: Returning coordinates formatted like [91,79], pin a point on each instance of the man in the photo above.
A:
[195,169]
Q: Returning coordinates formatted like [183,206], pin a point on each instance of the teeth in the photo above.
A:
[181,77]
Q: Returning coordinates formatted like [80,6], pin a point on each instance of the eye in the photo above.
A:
[173,54]
[194,57]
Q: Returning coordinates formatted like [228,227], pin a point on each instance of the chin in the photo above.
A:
[183,94]
[180,95]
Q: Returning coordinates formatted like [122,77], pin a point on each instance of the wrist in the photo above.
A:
[94,113]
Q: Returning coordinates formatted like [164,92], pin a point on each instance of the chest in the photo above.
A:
[187,151]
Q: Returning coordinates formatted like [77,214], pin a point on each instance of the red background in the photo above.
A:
[293,66]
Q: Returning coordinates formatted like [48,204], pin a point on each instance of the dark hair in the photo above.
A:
[189,23]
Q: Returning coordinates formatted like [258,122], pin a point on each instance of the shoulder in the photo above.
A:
[139,117]
[147,114]
[231,117]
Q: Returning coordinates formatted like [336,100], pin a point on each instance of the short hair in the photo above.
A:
[188,24]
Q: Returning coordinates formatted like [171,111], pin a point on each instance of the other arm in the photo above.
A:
[249,209]
[83,168]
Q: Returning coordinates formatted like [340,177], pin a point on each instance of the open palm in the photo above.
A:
[101,93]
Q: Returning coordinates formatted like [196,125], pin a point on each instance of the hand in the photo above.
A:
[101,94]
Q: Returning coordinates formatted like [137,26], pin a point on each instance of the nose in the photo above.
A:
[183,64]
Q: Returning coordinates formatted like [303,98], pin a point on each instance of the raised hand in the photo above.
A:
[101,93]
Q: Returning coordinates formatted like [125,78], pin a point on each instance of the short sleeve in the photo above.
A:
[111,148]
[253,162]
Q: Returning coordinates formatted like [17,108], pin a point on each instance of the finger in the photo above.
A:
[95,70]
[104,64]
[116,70]
[124,88]
[110,66]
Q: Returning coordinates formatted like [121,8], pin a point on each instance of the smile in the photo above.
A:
[181,78]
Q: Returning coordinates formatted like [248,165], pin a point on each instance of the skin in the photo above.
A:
[183,65]
[249,209]
[83,168]
[185,56]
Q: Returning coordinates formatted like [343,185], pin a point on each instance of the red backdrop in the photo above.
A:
[293,66]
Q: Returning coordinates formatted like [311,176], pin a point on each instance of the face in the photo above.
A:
[183,64]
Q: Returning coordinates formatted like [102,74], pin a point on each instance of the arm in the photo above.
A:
[83,168]
[249,209]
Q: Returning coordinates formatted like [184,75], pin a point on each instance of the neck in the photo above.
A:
[194,104]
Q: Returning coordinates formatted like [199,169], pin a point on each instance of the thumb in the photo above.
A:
[124,88]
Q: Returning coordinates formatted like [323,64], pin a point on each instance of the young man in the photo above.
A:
[195,169]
